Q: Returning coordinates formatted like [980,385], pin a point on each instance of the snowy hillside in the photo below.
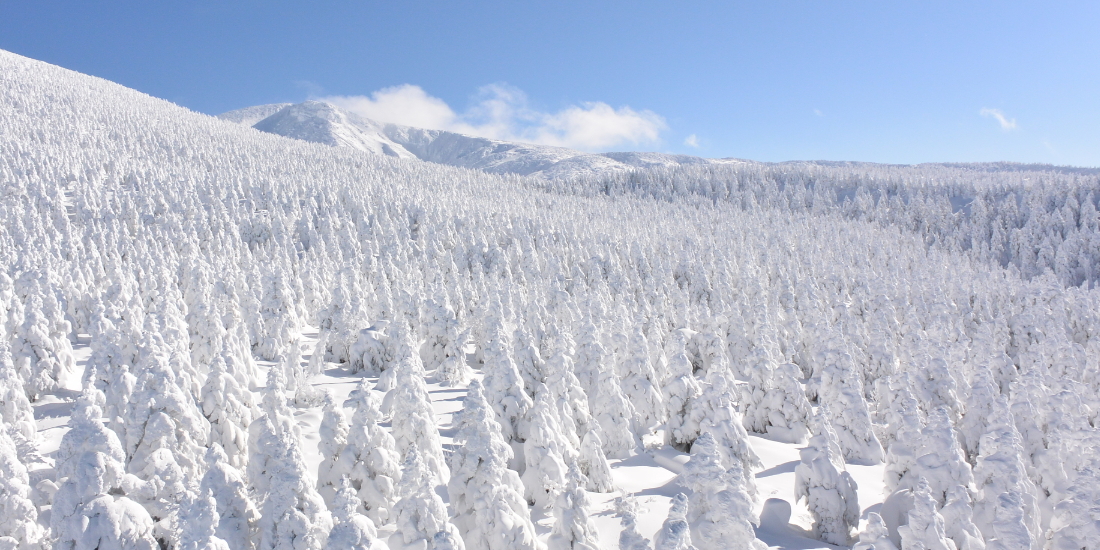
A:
[321,122]
[212,337]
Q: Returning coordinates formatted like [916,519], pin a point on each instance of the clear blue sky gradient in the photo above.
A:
[899,82]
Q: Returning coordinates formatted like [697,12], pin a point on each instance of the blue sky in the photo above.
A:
[901,82]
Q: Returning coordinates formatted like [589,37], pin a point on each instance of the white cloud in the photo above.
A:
[502,112]
[818,112]
[1007,124]
[692,141]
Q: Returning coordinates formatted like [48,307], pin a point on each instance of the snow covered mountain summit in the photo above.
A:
[322,122]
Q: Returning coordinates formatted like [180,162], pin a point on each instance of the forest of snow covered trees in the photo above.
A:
[216,338]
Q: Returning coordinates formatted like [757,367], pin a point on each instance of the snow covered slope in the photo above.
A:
[209,332]
[325,123]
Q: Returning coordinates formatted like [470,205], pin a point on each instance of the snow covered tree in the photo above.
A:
[278,317]
[830,494]
[369,459]
[842,390]
[675,534]
[570,401]
[680,390]
[504,387]
[15,408]
[86,434]
[629,537]
[89,510]
[714,412]
[237,513]
[720,515]
[876,536]
[486,497]
[164,415]
[926,529]
[413,418]
[198,524]
[293,514]
[351,530]
[370,353]
[613,413]
[572,528]
[420,515]
[41,350]
[229,408]
[941,462]
[454,371]
[19,528]
[1001,470]
[545,451]
[593,464]
[333,433]
[781,408]
[640,385]
[958,517]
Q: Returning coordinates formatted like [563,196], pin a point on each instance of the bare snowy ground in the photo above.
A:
[650,477]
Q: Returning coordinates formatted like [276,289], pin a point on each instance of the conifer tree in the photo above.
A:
[487,497]
[369,459]
[351,530]
[830,494]
[237,513]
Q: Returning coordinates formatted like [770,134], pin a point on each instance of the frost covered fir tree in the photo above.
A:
[369,459]
[503,386]
[776,404]
[571,403]
[420,515]
[593,464]
[830,494]
[680,390]
[204,325]
[293,515]
[229,408]
[41,351]
[720,514]
[19,528]
[842,390]
[237,514]
[958,517]
[350,530]
[715,412]
[486,497]
[1007,501]
[333,433]
[926,529]
[454,371]
[572,528]
[613,413]
[941,462]
[675,533]
[545,452]
[443,351]
[876,536]
[89,510]
[163,415]
[277,317]
[198,524]
[413,423]
[15,409]
[629,537]
[640,385]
